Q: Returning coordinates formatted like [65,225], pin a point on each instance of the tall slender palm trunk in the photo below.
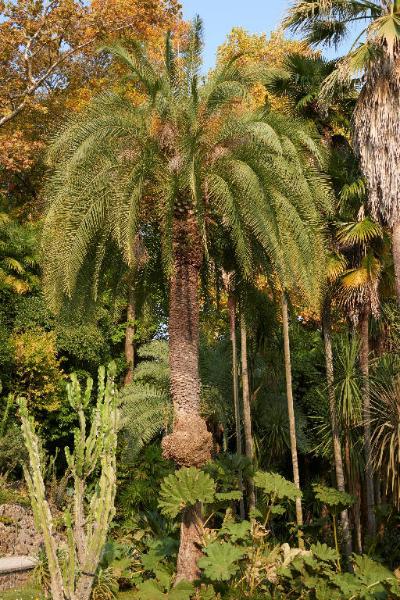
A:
[369,475]
[190,443]
[235,382]
[396,257]
[248,433]
[292,419]
[353,478]
[130,337]
[337,449]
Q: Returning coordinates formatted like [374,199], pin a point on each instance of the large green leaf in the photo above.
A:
[332,497]
[152,590]
[276,485]
[184,489]
[236,531]
[221,561]
[324,552]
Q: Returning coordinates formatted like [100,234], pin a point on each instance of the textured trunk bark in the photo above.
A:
[130,337]
[248,433]
[355,490]
[235,382]
[337,450]
[190,443]
[292,419]
[369,476]
[84,587]
[190,545]
[396,257]
[235,378]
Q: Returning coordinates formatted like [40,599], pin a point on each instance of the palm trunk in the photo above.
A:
[235,381]
[190,443]
[355,490]
[396,257]
[292,419]
[84,587]
[248,434]
[337,450]
[369,476]
[236,402]
[130,337]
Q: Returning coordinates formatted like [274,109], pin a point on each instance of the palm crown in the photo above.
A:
[331,21]
[375,59]
[188,151]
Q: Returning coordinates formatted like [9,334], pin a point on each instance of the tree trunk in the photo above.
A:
[190,544]
[235,381]
[369,476]
[248,434]
[236,402]
[292,419]
[130,337]
[190,443]
[337,450]
[396,257]
[355,490]
[84,587]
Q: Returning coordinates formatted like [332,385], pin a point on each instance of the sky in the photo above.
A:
[219,16]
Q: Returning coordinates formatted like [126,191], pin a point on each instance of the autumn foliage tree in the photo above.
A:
[258,48]
[49,63]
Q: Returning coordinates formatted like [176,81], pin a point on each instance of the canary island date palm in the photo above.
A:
[186,160]
[375,57]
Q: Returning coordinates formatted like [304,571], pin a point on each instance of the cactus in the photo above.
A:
[86,522]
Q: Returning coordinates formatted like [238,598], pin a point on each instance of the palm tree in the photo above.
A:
[248,431]
[292,419]
[376,117]
[188,162]
[228,281]
[348,397]
[300,81]
[360,298]
[336,442]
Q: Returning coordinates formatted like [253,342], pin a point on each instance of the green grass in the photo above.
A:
[24,594]
[34,594]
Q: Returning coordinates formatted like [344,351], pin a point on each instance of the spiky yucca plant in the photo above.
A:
[376,120]
[385,425]
[189,161]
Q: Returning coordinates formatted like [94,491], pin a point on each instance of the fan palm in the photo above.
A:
[188,161]
[300,82]
[376,120]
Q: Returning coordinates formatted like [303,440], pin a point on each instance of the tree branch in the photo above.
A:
[36,83]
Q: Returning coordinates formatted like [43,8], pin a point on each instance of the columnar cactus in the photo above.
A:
[86,522]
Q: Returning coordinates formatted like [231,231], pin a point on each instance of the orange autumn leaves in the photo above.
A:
[49,62]
[259,48]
